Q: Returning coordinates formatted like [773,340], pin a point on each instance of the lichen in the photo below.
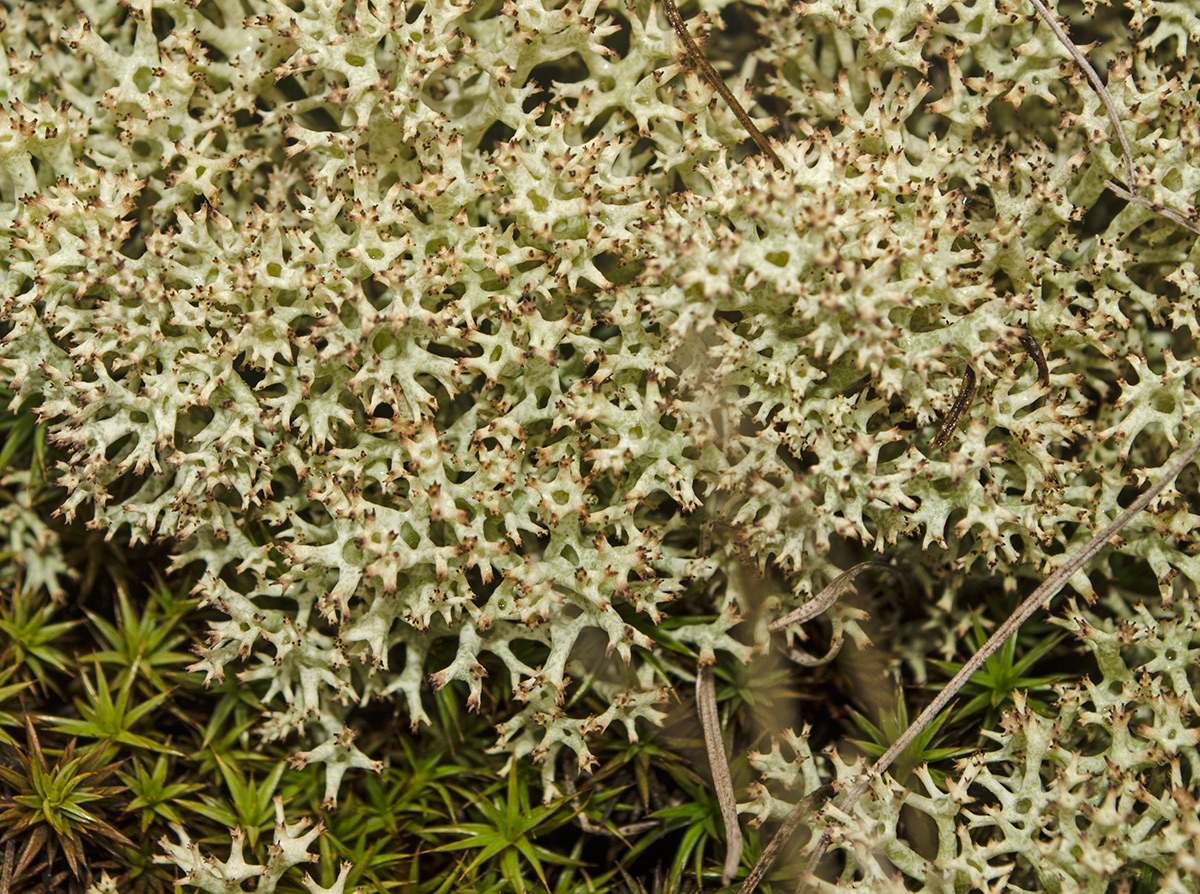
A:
[207,873]
[1070,803]
[448,339]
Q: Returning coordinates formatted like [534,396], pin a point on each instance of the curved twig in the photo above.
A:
[820,603]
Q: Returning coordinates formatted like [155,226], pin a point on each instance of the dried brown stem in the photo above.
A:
[801,811]
[6,874]
[718,83]
[706,700]
[1034,350]
[1027,608]
[827,597]
[1156,207]
[962,403]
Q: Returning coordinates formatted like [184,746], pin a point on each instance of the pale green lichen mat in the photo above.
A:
[425,322]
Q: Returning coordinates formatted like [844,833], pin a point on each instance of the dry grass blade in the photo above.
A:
[706,700]
[1034,350]
[962,403]
[718,83]
[6,871]
[1027,608]
[33,848]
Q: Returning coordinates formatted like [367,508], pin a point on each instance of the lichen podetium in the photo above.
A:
[433,335]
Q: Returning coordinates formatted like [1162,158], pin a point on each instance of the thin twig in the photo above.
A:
[827,597]
[1097,84]
[706,699]
[1032,603]
[788,828]
[718,83]
[1157,208]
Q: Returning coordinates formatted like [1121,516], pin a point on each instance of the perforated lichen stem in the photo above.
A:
[718,83]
